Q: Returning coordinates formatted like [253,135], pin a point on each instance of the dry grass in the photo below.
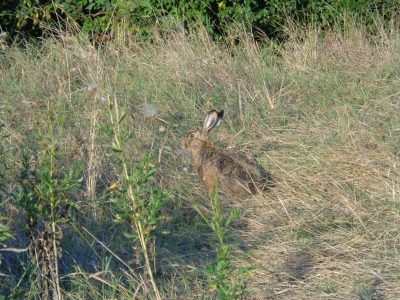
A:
[321,113]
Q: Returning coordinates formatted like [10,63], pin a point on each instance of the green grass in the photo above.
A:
[321,113]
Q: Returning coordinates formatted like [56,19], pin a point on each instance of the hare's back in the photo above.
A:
[217,160]
[230,164]
[236,174]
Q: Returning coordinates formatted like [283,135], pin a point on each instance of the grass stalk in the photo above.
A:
[92,165]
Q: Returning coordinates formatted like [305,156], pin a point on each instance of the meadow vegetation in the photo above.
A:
[101,202]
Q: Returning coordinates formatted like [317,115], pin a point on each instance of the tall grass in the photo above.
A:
[320,112]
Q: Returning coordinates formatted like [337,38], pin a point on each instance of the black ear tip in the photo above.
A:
[220,114]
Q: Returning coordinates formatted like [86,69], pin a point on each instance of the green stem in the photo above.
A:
[115,117]
[56,279]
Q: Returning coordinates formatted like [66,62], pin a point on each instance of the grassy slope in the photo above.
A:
[322,114]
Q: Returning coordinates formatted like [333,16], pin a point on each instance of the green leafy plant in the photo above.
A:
[137,199]
[93,16]
[5,234]
[43,196]
[149,198]
[4,231]
[225,278]
[44,190]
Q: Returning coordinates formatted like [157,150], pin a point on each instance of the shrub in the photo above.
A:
[269,17]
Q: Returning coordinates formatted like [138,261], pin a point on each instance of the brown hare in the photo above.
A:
[232,173]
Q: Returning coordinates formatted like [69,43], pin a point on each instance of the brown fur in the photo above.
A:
[234,174]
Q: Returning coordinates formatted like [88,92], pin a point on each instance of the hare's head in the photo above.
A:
[199,138]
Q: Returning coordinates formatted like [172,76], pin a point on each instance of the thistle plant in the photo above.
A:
[137,200]
[146,209]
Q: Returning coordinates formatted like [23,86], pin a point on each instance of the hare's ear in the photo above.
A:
[212,120]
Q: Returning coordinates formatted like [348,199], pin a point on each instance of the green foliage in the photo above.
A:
[44,196]
[92,15]
[8,14]
[329,288]
[145,207]
[44,190]
[4,231]
[217,16]
[366,292]
[2,169]
[139,202]
[225,278]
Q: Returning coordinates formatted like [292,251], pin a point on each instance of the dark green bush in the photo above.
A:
[269,17]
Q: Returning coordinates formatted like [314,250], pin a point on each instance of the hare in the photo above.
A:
[233,174]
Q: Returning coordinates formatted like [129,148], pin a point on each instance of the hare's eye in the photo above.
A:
[191,135]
